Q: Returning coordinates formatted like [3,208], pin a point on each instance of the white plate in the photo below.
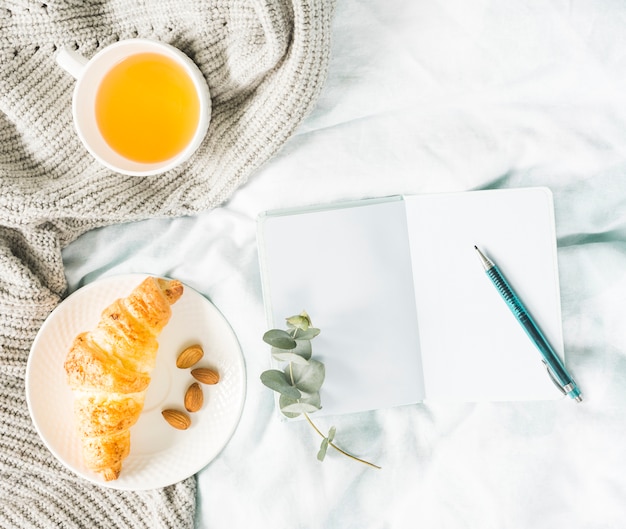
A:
[160,455]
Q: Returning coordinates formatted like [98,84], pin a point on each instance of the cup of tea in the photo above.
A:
[140,107]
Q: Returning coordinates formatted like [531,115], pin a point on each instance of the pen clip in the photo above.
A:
[556,383]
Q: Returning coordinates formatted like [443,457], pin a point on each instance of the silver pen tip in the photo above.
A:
[487,264]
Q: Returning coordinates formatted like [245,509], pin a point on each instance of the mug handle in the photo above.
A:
[71,61]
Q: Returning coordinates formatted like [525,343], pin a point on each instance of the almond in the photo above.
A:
[194,398]
[189,356]
[178,419]
[205,375]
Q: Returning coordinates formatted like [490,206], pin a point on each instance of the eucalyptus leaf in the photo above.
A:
[331,434]
[309,377]
[278,381]
[307,334]
[301,321]
[280,339]
[323,449]
[313,397]
[286,356]
[300,407]
[303,348]
[299,383]
[285,403]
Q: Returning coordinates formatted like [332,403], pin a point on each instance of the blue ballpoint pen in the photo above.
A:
[553,363]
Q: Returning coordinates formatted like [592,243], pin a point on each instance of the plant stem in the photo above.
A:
[330,443]
[306,415]
[293,382]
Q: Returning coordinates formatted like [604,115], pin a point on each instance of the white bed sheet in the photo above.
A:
[429,97]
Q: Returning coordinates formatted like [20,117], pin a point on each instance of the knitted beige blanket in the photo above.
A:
[265,62]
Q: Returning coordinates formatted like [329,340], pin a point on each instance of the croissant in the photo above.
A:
[108,370]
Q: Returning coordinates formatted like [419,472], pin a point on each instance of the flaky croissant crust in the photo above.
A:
[108,370]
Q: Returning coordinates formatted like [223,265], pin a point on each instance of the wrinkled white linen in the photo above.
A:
[429,97]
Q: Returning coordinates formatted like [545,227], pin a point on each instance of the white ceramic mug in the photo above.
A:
[90,75]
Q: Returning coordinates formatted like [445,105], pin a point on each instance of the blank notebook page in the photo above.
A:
[350,269]
[473,348]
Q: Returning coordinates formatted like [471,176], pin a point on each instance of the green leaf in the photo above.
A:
[310,377]
[280,339]
[331,434]
[303,348]
[300,407]
[307,334]
[291,413]
[283,402]
[278,381]
[301,321]
[285,356]
[323,449]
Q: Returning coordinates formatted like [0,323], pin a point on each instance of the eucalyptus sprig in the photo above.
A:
[299,383]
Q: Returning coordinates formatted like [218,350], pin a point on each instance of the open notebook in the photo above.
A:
[406,311]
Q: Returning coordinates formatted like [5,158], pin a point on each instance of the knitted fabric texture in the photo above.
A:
[265,62]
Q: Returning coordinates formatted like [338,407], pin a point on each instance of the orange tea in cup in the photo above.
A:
[147,108]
